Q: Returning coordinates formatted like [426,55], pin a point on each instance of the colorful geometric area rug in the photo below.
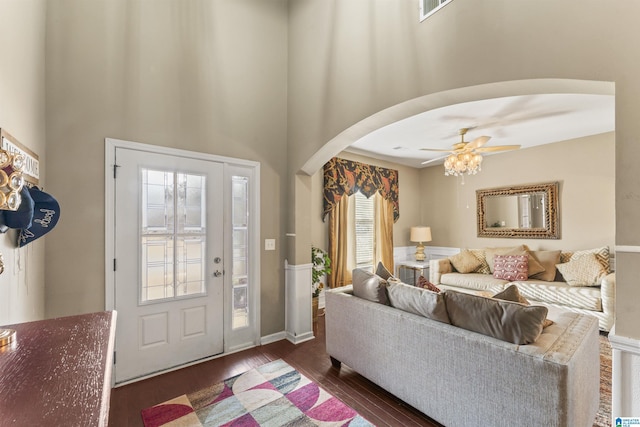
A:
[274,394]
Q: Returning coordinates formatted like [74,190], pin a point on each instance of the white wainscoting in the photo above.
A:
[625,382]
[625,367]
[298,322]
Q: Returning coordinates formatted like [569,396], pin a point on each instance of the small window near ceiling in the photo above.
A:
[429,7]
[364,230]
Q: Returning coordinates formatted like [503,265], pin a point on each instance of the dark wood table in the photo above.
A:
[58,372]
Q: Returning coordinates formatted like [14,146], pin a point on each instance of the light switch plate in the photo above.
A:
[269,244]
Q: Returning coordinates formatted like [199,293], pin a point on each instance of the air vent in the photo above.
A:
[429,7]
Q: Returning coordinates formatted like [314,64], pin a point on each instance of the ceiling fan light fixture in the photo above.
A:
[458,164]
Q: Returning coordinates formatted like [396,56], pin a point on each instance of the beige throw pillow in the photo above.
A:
[484,267]
[548,260]
[418,301]
[490,253]
[505,320]
[602,255]
[369,286]
[584,270]
[464,261]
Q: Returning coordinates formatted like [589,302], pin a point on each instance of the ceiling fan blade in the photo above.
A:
[426,162]
[497,148]
[437,149]
[478,142]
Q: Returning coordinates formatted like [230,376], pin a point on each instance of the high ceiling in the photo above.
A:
[528,120]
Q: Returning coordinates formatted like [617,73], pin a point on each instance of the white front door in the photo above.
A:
[168,274]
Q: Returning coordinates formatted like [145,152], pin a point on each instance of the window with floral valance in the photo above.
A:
[348,177]
[343,179]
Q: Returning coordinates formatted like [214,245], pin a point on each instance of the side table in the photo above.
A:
[409,271]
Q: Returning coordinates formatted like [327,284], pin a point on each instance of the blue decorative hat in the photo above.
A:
[46,212]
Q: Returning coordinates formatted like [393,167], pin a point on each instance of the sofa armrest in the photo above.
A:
[608,293]
[438,267]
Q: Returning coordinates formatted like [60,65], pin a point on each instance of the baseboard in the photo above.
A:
[268,339]
[297,339]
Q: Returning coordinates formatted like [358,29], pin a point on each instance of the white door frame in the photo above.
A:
[230,164]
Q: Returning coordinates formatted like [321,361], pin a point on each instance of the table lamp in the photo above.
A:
[420,234]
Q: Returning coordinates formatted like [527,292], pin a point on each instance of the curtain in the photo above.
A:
[339,244]
[384,232]
[345,177]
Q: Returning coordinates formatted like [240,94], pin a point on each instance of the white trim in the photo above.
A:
[278,336]
[297,301]
[170,151]
[626,344]
[625,383]
[110,161]
[627,249]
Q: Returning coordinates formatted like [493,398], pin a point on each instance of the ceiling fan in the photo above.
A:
[466,156]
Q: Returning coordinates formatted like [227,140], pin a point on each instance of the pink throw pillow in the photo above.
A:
[511,267]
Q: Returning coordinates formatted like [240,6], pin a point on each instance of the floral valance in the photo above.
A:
[348,177]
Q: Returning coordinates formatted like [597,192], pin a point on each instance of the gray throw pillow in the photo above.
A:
[508,321]
[369,286]
[422,302]
[383,272]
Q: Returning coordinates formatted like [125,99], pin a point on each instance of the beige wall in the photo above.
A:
[363,57]
[206,76]
[408,194]
[22,114]
[584,167]
[225,77]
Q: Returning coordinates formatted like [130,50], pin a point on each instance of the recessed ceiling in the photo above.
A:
[528,120]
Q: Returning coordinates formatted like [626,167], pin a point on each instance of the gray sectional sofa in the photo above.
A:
[462,378]
[549,288]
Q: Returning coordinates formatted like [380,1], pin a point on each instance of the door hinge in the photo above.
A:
[114,357]
[115,170]
[114,264]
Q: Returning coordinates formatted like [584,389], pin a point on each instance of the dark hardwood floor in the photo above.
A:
[310,358]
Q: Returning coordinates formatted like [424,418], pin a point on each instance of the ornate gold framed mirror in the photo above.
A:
[522,211]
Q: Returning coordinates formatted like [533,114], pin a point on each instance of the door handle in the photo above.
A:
[217,273]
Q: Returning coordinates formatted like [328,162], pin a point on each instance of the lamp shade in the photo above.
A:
[420,234]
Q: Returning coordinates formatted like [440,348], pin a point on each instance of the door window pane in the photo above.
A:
[173,235]
[239,268]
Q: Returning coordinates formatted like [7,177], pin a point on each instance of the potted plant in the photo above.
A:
[321,267]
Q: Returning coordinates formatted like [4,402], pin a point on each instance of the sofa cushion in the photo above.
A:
[369,286]
[560,293]
[505,320]
[418,301]
[464,261]
[490,253]
[583,270]
[548,259]
[475,281]
[511,267]
[426,284]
